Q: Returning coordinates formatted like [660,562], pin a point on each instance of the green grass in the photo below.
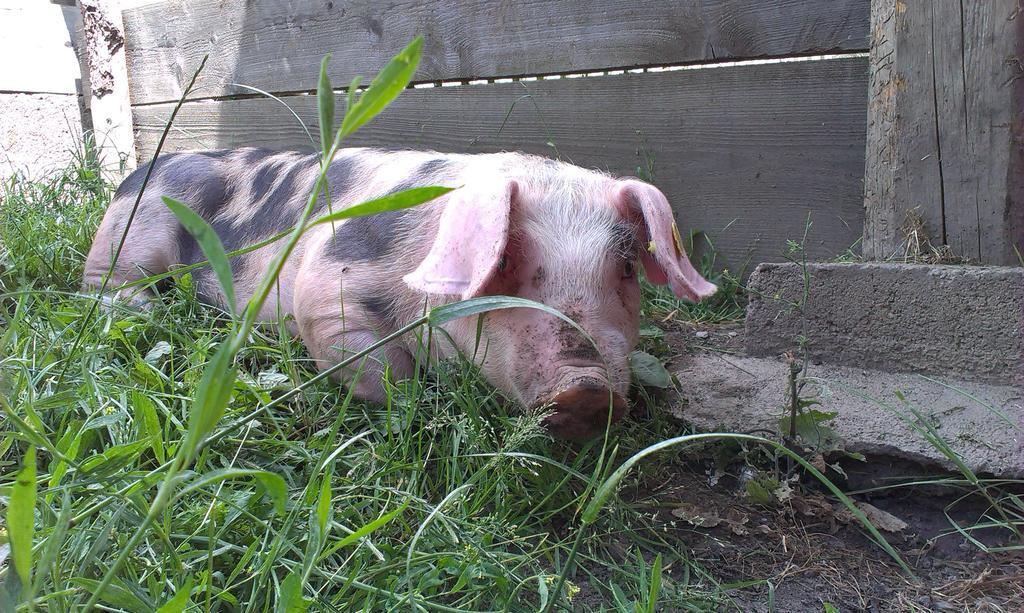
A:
[482,504]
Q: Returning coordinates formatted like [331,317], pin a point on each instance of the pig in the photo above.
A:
[516,225]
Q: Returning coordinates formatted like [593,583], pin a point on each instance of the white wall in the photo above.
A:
[41,102]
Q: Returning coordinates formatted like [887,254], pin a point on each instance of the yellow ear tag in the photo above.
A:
[650,247]
[678,240]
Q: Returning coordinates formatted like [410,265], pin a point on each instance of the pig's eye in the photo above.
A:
[502,264]
[628,269]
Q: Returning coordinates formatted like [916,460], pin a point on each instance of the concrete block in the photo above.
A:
[962,321]
[983,423]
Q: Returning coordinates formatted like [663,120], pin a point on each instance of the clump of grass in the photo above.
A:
[727,305]
[65,210]
[1003,513]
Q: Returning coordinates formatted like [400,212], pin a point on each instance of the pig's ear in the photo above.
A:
[663,256]
[471,239]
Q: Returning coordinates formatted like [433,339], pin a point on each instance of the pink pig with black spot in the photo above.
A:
[517,225]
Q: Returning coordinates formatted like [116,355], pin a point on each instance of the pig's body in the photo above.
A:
[518,225]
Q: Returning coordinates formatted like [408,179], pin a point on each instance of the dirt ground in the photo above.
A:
[804,548]
[808,550]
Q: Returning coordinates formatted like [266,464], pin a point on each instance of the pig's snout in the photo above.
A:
[582,410]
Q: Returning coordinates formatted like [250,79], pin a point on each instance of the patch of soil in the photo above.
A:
[806,549]
[809,550]
[719,338]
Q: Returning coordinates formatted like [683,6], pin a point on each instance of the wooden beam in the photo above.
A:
[745,153]
[944,136]
[276,46]
[108,83]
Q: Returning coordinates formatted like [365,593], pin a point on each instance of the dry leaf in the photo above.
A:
[883,520]
[702,518]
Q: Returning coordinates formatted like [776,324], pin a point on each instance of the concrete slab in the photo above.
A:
[983,423]
[39,133]
[960,321]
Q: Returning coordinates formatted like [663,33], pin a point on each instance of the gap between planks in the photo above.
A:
[606,72]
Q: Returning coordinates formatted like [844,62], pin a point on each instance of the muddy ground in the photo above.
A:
[803,548]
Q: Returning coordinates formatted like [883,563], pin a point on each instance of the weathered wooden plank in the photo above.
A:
[110,103]
[941,127]
[277,46]
[902,178]
[975,109]
[745,153]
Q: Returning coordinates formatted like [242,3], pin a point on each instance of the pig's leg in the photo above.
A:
[150,247]
[334,325]
[330,344]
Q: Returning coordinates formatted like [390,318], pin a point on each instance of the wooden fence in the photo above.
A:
[747,151]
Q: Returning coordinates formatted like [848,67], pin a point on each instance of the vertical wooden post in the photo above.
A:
[944,128]
[108,81]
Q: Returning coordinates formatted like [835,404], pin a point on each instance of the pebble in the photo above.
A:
[701,334]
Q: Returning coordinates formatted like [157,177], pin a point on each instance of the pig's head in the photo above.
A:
[572,240]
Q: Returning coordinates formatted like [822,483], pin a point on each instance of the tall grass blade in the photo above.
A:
[323,505]
[369,528]
[267,94]
[211,399]
[149,424]
[273,483]
[391,202]
[353,88]
[325,107]
[180,601]
[445,313]
[384,88]
[209,243]
[116,595]
[21,521]
[113,458]
[652,596]
[292,600]
[54,542]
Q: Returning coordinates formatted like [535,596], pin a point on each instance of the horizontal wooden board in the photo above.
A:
[744,153]
[277,46]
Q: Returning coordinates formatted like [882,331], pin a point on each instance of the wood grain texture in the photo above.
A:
[744,153]
[110,103]
[975,77]
[882,217]
[277,45]
[941,137]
